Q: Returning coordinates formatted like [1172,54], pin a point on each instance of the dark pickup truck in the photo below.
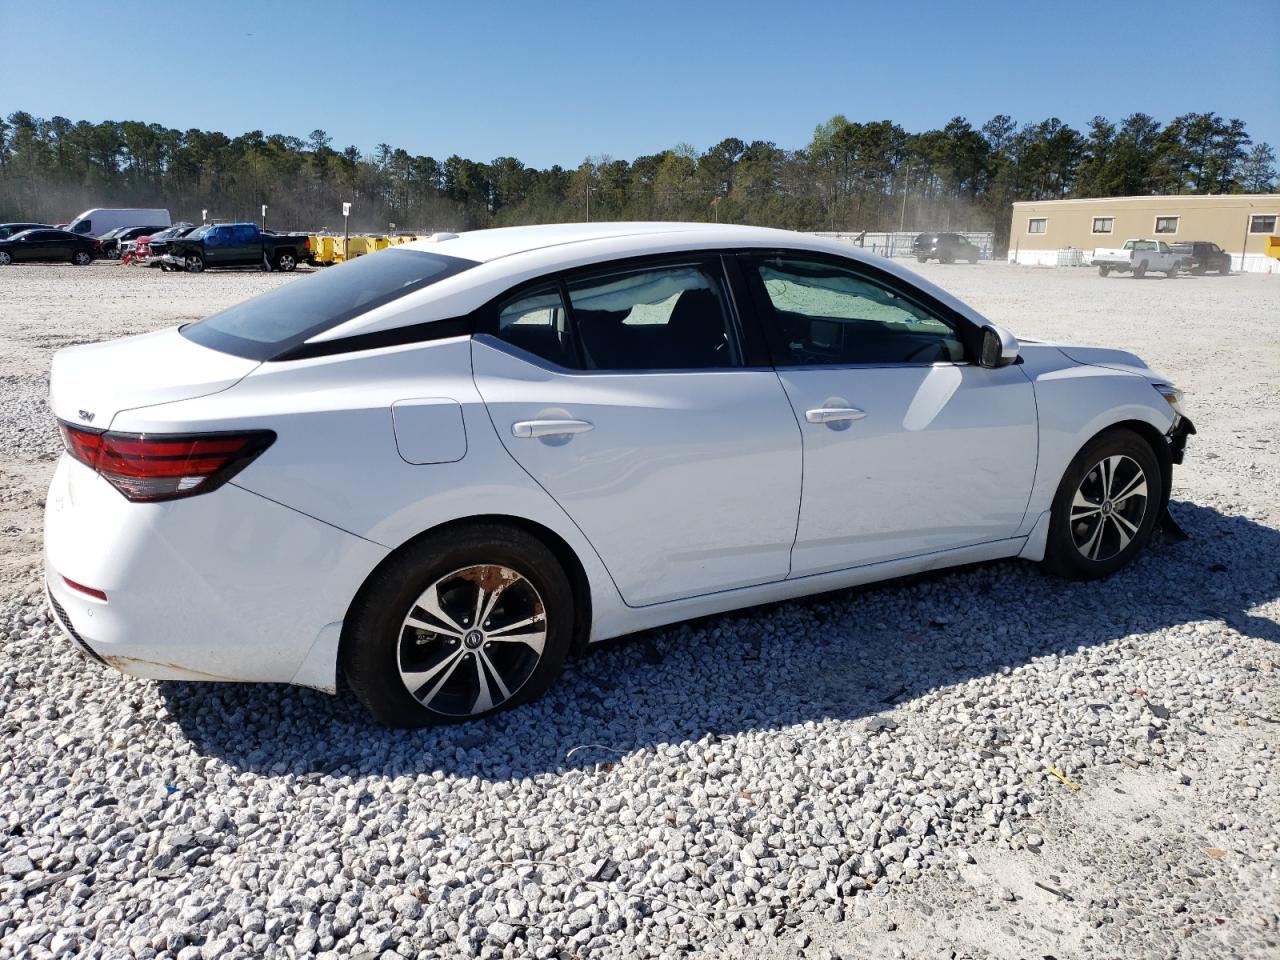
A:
[237,245]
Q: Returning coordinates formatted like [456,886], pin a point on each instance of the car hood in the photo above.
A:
[1118,360]
[90,384]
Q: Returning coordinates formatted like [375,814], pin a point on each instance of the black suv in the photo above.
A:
[1200,256]
[944,247]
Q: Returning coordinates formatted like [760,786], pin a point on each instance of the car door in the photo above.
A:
[217,245]
[909,448]
[246,244]
[48,245]
[623,392]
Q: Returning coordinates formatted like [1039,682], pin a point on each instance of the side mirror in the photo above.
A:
[999,347]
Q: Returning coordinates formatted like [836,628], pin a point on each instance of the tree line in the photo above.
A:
[850,176]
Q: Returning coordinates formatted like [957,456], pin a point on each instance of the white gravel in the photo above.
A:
[864,774]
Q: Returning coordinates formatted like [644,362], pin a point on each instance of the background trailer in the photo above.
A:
[1238,223]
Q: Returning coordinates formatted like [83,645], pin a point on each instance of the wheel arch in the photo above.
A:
[579,583]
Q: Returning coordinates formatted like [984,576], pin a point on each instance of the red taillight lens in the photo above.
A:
[87,591]
[150,467]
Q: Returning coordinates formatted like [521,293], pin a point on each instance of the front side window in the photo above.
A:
[827,314]
[537,321]
[1262,223]
[668,317]
[1103,224]
[1038,225]
[1167,224]
[275,322]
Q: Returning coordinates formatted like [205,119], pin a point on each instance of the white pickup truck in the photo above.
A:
[1140,256]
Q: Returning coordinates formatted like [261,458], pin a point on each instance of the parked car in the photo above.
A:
[7,230]
[102,220]
[944,247]
[441,468]
[1200,257]
[111,245]
[1140,256]
[149,251]
[49,246]
[237,245]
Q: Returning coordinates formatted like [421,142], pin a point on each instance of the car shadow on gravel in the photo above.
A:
[846,655]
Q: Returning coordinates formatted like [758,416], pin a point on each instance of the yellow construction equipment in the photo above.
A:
[1271,247]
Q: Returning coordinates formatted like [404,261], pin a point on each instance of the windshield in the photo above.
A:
[280,320]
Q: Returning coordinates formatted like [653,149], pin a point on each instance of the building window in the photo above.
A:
[1167,224]
[1262,223]
[1103,224]
[1038,225]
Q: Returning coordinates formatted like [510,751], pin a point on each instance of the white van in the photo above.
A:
[100,220]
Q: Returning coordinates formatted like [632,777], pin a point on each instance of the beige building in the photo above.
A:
[1238,223]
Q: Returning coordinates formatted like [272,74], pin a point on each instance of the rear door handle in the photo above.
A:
[549,428]
[834,414]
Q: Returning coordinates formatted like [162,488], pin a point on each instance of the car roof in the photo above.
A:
[493,244]
[507,256]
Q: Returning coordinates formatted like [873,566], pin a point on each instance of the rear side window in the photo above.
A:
[667,317]
[278,321]
[537,321]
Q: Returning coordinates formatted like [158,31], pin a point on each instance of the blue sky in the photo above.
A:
[554,82]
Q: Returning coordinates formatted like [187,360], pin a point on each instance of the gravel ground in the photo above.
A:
[986,763]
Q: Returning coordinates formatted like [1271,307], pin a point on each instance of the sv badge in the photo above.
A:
[86,415]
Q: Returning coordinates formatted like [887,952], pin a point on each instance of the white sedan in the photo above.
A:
[441,468]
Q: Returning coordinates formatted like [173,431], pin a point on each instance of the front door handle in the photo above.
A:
[549,428]
[834,414]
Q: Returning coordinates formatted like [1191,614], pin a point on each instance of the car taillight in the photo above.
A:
[151,467]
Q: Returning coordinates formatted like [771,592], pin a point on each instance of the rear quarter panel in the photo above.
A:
[336,457]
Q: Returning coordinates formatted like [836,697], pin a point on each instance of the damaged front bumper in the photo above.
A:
[1177,437]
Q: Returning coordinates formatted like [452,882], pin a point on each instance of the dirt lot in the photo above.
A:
[1155,694]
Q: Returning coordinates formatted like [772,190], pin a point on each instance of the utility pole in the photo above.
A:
[264,218]
[906,178]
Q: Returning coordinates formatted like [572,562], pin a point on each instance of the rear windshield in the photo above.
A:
[280,320]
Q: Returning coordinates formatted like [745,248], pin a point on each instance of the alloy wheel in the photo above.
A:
[5,258]
[1108,508]
[471,640]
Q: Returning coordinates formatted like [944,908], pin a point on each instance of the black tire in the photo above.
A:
[1104,269]
[1199,270]
[6,258]
[1140,270]
[194,263]
[81,258]
[286,262]
[1172,273]
[1068,547]
[375,636]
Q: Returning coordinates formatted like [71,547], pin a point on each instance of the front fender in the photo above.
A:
[1075,403]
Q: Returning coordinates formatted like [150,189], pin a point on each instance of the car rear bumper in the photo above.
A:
[222,586]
